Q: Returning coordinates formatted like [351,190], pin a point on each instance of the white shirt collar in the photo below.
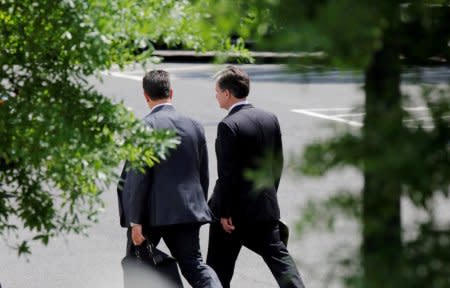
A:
[243,102]
[162,104]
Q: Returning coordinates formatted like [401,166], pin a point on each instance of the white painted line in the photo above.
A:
[422,119]
[329,109]
[123,75]
[130,77]
[332,118]
[168,69]
[419,108]
[418,119]
[337,117]
[411,125]
[188,68]
[349,115]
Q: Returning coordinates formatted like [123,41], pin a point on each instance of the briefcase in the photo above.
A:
[150,267]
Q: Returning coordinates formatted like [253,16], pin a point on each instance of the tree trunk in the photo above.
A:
[382,247]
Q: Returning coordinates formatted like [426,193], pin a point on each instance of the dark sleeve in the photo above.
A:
[226,163]
[138,185]
[204,172]
[121,195]
[278,155]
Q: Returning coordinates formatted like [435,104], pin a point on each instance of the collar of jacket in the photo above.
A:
[165,107]
[240,107]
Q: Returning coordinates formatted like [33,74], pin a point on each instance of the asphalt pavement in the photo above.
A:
[94,261]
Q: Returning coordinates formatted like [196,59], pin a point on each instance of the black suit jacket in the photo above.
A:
[175,190]
[247,139]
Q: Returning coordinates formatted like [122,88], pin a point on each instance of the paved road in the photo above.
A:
[77,261]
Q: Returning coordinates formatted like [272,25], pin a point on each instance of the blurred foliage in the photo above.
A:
[397,158]
[420,159]
[421,163]
[323,215]
[349,32]
[427,257]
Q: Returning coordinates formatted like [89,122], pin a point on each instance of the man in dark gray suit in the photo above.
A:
[248,138]
[168,201]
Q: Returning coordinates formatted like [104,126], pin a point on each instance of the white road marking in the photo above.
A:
[130,77]
[318,115]
[188,68]
[123,75]
[418,119]
[349,115]
[418,108]
[339,117]
[330,109]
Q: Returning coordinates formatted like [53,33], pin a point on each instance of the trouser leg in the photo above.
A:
[223,250]
[184,245]
[264,239]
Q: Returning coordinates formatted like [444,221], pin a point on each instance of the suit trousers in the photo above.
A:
[262,238]
[184,244]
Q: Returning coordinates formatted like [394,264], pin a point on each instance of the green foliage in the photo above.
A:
[324,214]
[321,157]
[395,159]
[418,158]
[263,176]
[349,32]
[61,147]
[427,257]
[426,170]
[60,140]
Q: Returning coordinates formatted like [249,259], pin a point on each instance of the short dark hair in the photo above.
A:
[156,84]
[234,80]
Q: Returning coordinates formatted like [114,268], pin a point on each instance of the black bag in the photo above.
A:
[150,267]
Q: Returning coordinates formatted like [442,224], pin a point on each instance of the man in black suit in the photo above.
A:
[248,139]
[168,201]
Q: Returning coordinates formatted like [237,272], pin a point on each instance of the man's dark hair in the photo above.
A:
[234,80]
[156,84]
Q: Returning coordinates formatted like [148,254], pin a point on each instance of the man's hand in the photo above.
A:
[227,224]
[136,234]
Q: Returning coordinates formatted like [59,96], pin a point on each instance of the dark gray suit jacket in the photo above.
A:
[175,190]
[248,138]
